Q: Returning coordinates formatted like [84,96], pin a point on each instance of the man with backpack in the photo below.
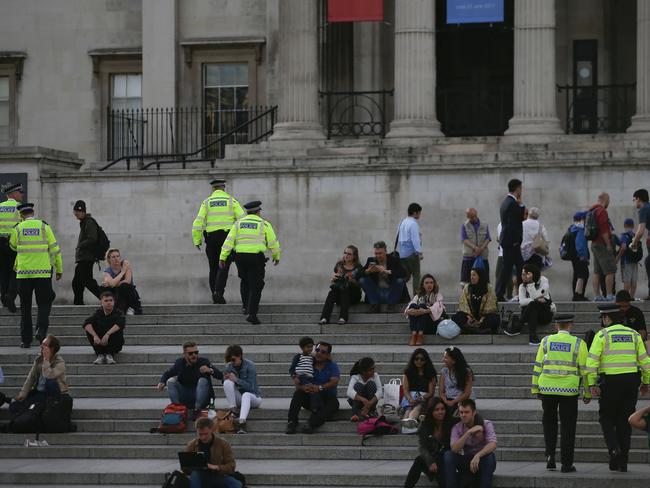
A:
[86,253]
[629,258]
[574,248]
[598,230]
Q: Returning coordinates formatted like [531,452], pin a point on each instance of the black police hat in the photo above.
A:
[253,206]
[609,308]
[12,188]
[218,182]
[25,207]
[563,319]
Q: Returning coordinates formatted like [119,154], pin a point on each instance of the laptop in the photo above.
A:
[192,461]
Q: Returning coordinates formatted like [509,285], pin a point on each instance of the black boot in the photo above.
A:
[613,460]
[550,463]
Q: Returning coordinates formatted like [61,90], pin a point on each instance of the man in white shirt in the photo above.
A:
[409,244]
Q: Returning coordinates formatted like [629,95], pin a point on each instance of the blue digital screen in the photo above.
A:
[474,11]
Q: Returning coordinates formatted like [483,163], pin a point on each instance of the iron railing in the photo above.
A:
[601,108]
[356,113]
[182,135]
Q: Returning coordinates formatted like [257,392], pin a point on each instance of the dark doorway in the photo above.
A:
[474,74]
[585,83]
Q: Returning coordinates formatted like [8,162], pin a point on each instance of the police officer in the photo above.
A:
[558,369]
[9,217]
[36,252]
[618,355]
[250,237]
[215,218]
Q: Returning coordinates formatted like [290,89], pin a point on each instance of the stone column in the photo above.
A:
[641,121]
[415,71]
[159,53]
[298,112]
[535,109]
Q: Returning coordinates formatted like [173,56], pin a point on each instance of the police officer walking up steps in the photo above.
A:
[250,237]
[558,369]
[36,253]
[9,217]
[618,355]
[215,218]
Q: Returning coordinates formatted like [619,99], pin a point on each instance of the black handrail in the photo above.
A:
[182,157]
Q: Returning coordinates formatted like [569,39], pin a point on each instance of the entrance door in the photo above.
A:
[585,82]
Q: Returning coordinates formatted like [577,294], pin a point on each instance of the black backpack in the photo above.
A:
[634,256]
[57,413]
[568,251]
[27,421]
[176,480]
[103,244]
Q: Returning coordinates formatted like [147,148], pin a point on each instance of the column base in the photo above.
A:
[414,129]
[292,131]
[640,123]
[520,126]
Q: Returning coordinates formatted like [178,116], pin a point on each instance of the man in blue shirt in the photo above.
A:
[409,244]
[640,199]
[325,381]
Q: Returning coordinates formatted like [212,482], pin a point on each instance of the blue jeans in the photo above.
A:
[210,479]
[378,295]
[458,462]
[192,398]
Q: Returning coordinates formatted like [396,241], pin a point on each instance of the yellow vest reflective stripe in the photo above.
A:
[9,217]
[217,212]
[559,365]
[37,250]
[251,235]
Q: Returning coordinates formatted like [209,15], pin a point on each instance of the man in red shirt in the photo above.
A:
[602,250]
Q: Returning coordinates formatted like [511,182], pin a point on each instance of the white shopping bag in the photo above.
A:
[392,392]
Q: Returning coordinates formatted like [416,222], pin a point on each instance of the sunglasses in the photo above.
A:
[324,351]
[419,358]
[192,353]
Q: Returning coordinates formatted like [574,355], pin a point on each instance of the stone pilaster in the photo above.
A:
[159,53]
[641,121]
[535,109]
[298,112]
[415,71]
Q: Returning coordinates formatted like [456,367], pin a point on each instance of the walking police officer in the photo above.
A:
[9,217]
[250,237]
[215,218]
[36,252]
[558,369]
[618,355]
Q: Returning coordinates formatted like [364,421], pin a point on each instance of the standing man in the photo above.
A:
[215,218]
[617,354]
[558,369]
[84,254]
[475,236]
[409,245]
[602,250]
[632,316]
[512,215]
[250,237]
[36,253]
[640,199]
[9,217]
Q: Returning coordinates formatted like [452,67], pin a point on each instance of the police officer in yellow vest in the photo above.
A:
[559,367]
[250,237]
[215,218]
[9,217]
[618,355]
[36,253]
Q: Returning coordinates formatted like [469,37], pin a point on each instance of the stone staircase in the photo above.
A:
[115,406]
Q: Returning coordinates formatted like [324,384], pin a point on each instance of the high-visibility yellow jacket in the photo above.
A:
[251,234]
[36,248]
[560,365]
[217,212]
[617,350]
[9,217]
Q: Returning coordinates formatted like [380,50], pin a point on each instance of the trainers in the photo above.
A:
[101,359]
[109,359]
[534,341]
[599,298]
[253,320]
[514,299]
[292,428]
[322,321]
[610,298]
[409,423]
[241,427]
[342,321]
[568,469]
[130,311]
[218,299]
[550,463]
[511,333]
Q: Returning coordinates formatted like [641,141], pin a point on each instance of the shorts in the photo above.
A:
[629,273]
[604,262]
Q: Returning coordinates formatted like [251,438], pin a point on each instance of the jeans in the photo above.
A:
[83,278]
[378,295]
[511,257]
[422,323]
[459,462]
[344,297]
[210,479]
[192,398]
[237,399]
[300,400]
[42,288]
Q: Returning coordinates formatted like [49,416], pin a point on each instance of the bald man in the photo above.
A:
[475,237]
[602,250]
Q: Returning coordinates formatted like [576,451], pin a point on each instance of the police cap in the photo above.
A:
[25,207]
[10,188]
[563,319]
[218,182]
[609,308]
[253,206]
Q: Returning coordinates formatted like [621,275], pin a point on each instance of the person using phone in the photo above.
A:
[382,278]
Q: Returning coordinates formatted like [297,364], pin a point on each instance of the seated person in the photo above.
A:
[118,277]
[456,378]
[302,371]
[46,378]
[344,287]
[188,380]
[220,459]
[641,420]
[477,441]
[364,390]
[382,278]
[632,316]
[105,329]
[477,308]
[419,385]
[425,311]
[240,385]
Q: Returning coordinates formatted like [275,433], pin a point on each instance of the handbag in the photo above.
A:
[540,246]
[479,262]
[224,422]
[393,393]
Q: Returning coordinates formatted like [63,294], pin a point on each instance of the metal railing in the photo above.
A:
[167,136]
[355,113]
[601,108]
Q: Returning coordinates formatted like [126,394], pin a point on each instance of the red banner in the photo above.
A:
[355,10]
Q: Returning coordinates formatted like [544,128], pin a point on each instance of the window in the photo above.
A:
[225,99]
[127,124]
[4,111]
[126,91]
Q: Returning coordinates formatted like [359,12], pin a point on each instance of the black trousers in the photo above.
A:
[251,268]
[491,322]
[568,407]
[344,297]
[535,314]
[646,262]
[42,288]
[125,296]
[8,287]
[300,400]
[511,257]
[418,468]
[83,278]
[115,343]
[580,270]
[618,397]
[218,277]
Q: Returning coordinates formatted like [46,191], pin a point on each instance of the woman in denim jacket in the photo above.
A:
[240,385]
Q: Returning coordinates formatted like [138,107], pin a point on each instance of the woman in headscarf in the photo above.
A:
[477,310]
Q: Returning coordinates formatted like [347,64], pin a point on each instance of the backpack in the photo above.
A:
[240,477]
[57,413]
[173,419]
[591,226]
[375,426]
[568,251]
[176,480]
[634,256]
[27,421]
[224,422]
[103,244]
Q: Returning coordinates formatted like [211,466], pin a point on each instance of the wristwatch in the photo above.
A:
[320,387]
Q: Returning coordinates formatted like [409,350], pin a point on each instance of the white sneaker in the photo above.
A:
[101,359]
[109,359]
[130,311]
